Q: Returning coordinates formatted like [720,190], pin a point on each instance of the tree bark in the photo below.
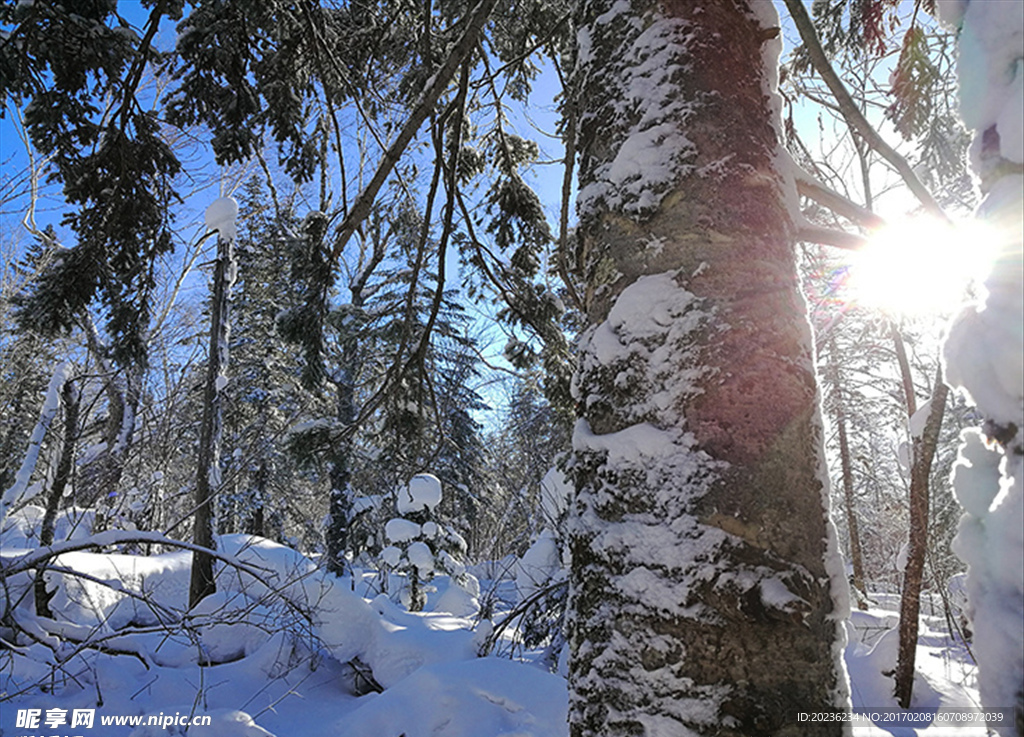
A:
[704,565]
[202,583]
[906,377]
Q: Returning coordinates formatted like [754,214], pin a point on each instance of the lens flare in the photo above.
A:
[920,267]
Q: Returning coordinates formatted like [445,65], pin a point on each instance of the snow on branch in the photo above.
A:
[11,566]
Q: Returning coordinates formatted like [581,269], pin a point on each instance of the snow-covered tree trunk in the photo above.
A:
[706,587]
[13,495]
[70,399]
[985,355]
[220,216]
[925,425]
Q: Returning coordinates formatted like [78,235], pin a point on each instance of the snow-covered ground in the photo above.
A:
[946,679]
[289,647]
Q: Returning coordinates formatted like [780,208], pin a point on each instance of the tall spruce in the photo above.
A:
[264,395]
[78,70]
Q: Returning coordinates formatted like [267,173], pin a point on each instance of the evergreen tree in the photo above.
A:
[264,395]
[78,72]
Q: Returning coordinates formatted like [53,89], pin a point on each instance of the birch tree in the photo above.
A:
[706,586]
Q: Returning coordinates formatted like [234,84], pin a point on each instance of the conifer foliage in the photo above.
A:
[78,70]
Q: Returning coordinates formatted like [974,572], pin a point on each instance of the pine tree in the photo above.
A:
[79,72]
[264,395]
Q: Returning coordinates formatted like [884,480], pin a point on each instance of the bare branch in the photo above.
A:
[812,189]
[831,237]
[364,202]
[852,114]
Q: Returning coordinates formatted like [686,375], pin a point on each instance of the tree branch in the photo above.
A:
[437,85]
[854,118]
[831,237]
[812,189]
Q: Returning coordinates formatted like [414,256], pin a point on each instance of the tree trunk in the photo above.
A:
[14,494]
[704,564]
[254,520]
[907,378]
[208,472]
[856,557]
[340,461]
[924,446]
[70,399]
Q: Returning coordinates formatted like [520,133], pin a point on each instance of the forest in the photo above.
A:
[512,368]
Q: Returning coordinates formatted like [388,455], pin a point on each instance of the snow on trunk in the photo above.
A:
[51,404]
[985,354]
[706,586]
[220,216]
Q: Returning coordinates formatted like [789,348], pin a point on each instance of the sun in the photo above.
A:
[920,267]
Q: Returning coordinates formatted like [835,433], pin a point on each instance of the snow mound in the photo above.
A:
[460,600]
[399,530]
[420,556]
[21,528]
[391,555]
[230,627]
[390,642]
[223,723]
[486,697]
[991,75]
[555,493]
[538,565]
